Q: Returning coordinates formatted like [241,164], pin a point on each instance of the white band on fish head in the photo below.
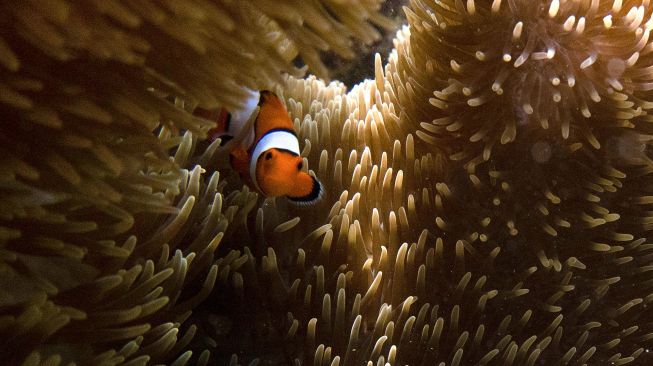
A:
[279,139]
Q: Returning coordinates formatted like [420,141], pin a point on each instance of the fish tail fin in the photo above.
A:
[239,161]
[223,120]
[224,139]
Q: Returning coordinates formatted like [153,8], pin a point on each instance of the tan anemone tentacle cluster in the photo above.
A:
[108,232]
[572,69]
[547,168]
[468,222]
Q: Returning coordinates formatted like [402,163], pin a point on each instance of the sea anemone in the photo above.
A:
[487,197]
[107,242]
[572,69]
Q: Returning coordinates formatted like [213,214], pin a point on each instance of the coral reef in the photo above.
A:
[488,192]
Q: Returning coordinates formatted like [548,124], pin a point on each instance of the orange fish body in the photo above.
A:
[269,159]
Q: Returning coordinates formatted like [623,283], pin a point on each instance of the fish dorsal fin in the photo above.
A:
[273,114]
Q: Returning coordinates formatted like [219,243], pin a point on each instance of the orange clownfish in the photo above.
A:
[267,159]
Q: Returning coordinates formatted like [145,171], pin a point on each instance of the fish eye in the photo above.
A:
[300,165]
[268,156]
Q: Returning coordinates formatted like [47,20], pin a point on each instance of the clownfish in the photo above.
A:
[267,158]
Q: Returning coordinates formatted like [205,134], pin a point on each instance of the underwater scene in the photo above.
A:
[326,182]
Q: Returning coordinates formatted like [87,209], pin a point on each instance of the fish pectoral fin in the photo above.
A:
[239,160]
[306,190]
